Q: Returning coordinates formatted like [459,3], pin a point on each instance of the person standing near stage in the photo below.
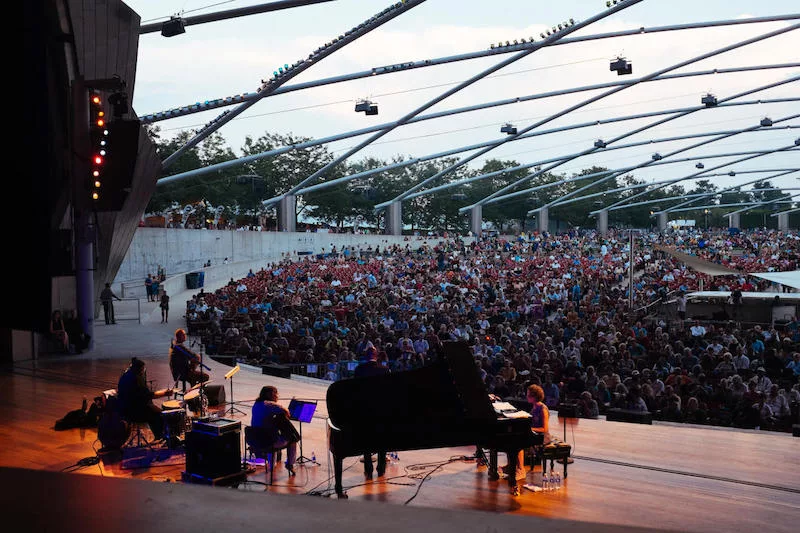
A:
[164,305]
[107,297]
[371,367]
[148,285]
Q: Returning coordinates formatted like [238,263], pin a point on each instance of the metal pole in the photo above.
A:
[630,274]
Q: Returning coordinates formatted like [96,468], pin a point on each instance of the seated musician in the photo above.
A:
[371,367]
[135,399]
[183,362]
[540,423]
[269,414]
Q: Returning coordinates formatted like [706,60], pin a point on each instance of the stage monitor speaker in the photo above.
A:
[273,369]
[625,415]
[215,395]
[568,410]
[213,456]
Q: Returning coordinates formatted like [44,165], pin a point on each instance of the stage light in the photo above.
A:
[96,173]
[95,196]
[700,165]
[101,122]
[599,143]
[95,99]
[362,105]
[709,100]
[373,110]
[572,22]
[96,184]
[98,160]
[731,173]
[491,47]
[797,142]
[103,153]
[508,129]
[766,122]
[542,35]
[656,156]
[172,27]
[101,114]
[621,66]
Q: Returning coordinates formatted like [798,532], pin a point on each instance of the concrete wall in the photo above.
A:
[183,250]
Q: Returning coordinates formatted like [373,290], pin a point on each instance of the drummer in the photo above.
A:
[184,363]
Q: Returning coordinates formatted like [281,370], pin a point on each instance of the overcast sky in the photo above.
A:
[230,57]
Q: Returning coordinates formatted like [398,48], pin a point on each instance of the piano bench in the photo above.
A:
[553,452]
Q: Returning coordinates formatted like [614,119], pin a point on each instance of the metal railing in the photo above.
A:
[124,309]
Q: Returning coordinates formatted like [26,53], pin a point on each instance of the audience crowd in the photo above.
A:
[540,308]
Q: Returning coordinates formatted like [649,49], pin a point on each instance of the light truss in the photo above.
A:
[580,105]
[324,52]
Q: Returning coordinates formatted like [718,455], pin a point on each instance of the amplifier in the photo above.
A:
[624,415]
[568,410]
[216,426]
[213,456]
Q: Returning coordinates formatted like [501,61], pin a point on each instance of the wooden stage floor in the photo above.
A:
[664,476]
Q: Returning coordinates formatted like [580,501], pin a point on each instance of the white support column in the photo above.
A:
[543,219]
[602,222]
[783,221]
[662,221]
[476,220]
[734,220]
[394,219]
[287,213]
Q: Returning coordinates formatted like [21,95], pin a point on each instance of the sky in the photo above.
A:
[231,57]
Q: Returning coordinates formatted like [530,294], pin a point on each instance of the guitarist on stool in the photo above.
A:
[184,363]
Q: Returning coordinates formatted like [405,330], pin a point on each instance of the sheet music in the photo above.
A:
[516,414]
[503,406]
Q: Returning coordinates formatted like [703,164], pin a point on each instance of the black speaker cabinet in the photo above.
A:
[215,394]
[796,430]
[213,456]
[281,371]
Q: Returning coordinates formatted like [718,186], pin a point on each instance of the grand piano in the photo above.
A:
[441,405]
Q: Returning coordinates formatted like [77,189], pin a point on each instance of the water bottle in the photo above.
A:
[545,482]
[313,457]
[558,481]
[552,481]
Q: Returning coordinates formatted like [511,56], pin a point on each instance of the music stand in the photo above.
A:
[233,409]
[302,411]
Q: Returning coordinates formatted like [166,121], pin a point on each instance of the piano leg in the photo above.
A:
[493,475]
[337,472]
[512,471]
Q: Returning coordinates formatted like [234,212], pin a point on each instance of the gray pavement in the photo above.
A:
[127,338]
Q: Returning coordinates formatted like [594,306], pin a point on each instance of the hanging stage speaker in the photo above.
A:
[213,456]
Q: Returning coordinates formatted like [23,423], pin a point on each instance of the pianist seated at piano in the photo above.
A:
[540,423]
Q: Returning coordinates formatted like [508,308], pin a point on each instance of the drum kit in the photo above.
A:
[174,412]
